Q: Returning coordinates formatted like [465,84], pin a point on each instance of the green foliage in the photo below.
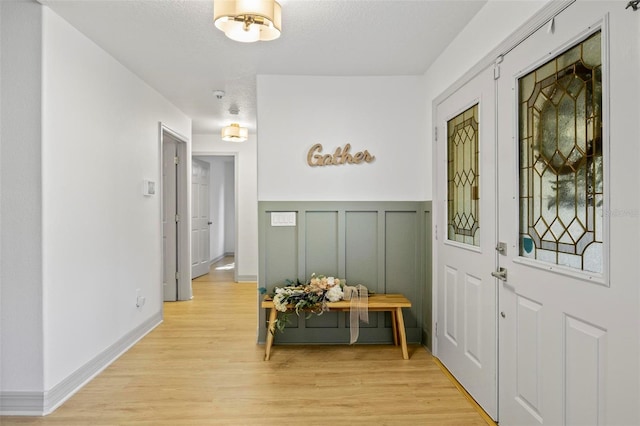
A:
[281,322]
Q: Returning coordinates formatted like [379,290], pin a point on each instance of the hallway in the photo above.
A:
[219,272]
[201,366]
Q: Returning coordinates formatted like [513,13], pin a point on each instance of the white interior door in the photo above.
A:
[568,154]
[169,224]
[466,328]
[200,224]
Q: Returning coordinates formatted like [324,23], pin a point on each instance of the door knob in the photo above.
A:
[503,315]
[500,274]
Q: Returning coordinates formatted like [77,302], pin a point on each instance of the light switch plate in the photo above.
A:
[148,187]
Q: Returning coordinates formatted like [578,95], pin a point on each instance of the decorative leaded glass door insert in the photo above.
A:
[462,178]
[561,167]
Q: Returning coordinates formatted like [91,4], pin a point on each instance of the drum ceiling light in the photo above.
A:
[248,20]
[235,133]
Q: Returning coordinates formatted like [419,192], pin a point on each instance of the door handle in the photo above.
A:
[209,223]
[500,274]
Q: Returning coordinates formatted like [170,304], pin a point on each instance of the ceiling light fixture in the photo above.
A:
[248,20]
[235,133]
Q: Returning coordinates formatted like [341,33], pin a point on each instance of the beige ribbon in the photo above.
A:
[359,306]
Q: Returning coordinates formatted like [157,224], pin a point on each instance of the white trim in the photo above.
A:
[246,278]
[462,246]
[606,148]
[473,102]
[217,259]
[43,403]
[21,403]
[568,271]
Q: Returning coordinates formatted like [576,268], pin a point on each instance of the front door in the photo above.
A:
[568,161]
[466,236]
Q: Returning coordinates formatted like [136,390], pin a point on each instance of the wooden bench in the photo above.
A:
[377,303]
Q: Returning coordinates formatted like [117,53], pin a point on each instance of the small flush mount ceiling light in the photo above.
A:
[248,20]
[235,133]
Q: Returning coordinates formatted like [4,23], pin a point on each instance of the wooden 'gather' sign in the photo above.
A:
[340,156]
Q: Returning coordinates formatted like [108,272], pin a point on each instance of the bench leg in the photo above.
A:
[394,327]
[270,333]
[403,334]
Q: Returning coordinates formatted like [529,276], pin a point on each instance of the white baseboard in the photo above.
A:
[222,256]
[247,278]
[21,403]
[43,403]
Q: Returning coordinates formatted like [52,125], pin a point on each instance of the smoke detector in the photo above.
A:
[219,93]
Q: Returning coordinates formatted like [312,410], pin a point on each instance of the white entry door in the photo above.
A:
[200,224]
[568,161]
[466,239]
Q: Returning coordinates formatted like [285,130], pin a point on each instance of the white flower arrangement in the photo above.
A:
[311,297]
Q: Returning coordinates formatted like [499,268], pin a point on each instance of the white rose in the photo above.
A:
[335,293]
[277,302]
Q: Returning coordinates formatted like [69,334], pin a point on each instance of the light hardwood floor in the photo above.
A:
[202,366]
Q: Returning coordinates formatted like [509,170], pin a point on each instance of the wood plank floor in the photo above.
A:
[202,366]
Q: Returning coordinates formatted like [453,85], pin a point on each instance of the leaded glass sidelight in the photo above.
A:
[561,167]
[462,178]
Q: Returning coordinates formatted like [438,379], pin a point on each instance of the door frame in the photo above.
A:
[237,253]
[183,243]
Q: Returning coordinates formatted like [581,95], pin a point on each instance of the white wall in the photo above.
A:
[102,237]
[21,316]
[229,208]
[78,237]
[384,115]
[246,251]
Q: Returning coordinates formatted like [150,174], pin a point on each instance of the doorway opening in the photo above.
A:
[214,216]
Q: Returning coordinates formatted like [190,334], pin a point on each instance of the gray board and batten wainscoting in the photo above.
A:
[384,245]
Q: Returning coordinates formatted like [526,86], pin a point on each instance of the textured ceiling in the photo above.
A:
[174,46]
